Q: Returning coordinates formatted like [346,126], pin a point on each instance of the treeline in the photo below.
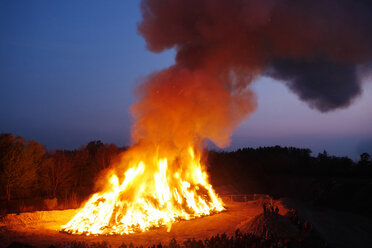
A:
[322,180]
[29,173]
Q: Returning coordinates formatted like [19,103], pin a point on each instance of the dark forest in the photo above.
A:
[32,178]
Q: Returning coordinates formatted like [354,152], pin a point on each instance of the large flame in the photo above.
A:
[154,192]
[162,179]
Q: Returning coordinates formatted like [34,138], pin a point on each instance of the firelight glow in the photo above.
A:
[152,194]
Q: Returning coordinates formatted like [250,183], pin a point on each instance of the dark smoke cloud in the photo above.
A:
[314,46]
[325,85]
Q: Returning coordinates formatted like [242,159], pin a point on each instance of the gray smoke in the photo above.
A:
[313,46]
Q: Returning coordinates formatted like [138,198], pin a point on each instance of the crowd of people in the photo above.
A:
[269,208]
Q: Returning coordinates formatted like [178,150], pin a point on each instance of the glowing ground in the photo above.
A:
[40,228]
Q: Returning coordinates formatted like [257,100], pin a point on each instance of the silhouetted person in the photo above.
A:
[299,226]
[306,226]
[276,210]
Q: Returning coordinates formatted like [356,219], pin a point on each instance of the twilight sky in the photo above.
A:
[68,70]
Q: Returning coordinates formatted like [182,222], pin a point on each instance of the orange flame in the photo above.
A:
[161,179]
[140,201]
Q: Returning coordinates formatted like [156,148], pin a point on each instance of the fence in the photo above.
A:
[244,197]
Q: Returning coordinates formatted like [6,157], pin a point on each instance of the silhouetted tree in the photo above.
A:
[365,157]
[57,173]
[323,155]
[93,146]
[19,163]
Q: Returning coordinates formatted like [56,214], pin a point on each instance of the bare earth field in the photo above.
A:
[41,228]
[340,229]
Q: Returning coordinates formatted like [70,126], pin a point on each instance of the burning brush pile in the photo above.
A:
[153,192]
[222,46]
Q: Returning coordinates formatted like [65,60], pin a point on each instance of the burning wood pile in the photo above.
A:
[153,193]
[222,47]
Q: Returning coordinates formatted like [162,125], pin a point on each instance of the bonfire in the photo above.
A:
[154,192]
[177,110]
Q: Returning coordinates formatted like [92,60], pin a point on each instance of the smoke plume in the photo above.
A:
[314,47]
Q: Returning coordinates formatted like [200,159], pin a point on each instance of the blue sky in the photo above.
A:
[68,70]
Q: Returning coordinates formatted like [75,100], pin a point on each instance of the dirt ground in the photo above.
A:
[41,228]
[340,229]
